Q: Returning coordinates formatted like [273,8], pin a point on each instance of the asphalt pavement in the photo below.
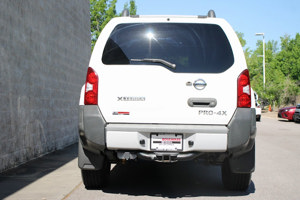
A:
[36,179]
[270,114]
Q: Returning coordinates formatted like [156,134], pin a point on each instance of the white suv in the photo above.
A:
[167,89]
[256,105]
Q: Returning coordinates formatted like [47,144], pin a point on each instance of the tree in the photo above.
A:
[288,62]
[288,59]
[101,12]
[241,38]
[282,70]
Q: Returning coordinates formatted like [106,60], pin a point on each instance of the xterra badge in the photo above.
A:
[131,98]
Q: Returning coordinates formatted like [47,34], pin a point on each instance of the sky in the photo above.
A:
[274,18]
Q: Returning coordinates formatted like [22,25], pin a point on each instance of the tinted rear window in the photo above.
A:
[194,48]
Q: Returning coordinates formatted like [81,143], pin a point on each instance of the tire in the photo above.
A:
[295,119]
[258,118]
[234,181]
[96,179]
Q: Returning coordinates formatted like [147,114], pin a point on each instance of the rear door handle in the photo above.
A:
[202,102]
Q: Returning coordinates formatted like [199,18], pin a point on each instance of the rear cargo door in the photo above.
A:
[167,73]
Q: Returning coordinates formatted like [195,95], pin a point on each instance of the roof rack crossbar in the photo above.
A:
[125,13]
[210,14]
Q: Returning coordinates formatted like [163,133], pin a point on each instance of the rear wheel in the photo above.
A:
[295,118]
[96,179]
[234,181]
[258,118]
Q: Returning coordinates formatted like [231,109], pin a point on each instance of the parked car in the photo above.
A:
[257,106]
[167,89]
[287,112]
[296,116]
[258,111]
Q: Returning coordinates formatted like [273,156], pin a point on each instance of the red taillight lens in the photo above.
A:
[244,90]
[91,88]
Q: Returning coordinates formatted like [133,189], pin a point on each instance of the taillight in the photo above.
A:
[91,88]
[244,90]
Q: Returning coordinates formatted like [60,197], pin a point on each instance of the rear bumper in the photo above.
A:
[97,136]
[137,136]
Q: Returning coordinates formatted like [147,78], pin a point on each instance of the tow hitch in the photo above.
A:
[166,157]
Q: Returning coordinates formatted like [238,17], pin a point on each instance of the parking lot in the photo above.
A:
[56,176]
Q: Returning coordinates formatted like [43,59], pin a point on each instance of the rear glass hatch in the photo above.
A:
[193,48]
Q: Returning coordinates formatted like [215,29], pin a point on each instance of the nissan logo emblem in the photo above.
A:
[199,84]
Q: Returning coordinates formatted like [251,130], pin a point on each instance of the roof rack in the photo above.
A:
[125,13]
[210,14]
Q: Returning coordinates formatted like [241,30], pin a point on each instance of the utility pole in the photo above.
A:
[264,57]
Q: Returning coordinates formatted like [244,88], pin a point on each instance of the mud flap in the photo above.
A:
[88,160]
[244,163]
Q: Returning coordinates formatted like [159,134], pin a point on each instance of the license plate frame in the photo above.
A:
[166,142]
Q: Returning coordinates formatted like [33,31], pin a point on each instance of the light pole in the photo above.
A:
[264,58]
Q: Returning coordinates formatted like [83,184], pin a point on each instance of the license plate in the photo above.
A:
[166,142]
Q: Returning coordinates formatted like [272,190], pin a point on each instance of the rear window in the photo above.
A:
[193,48]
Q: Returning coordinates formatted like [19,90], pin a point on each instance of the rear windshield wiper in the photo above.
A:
[155,60]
